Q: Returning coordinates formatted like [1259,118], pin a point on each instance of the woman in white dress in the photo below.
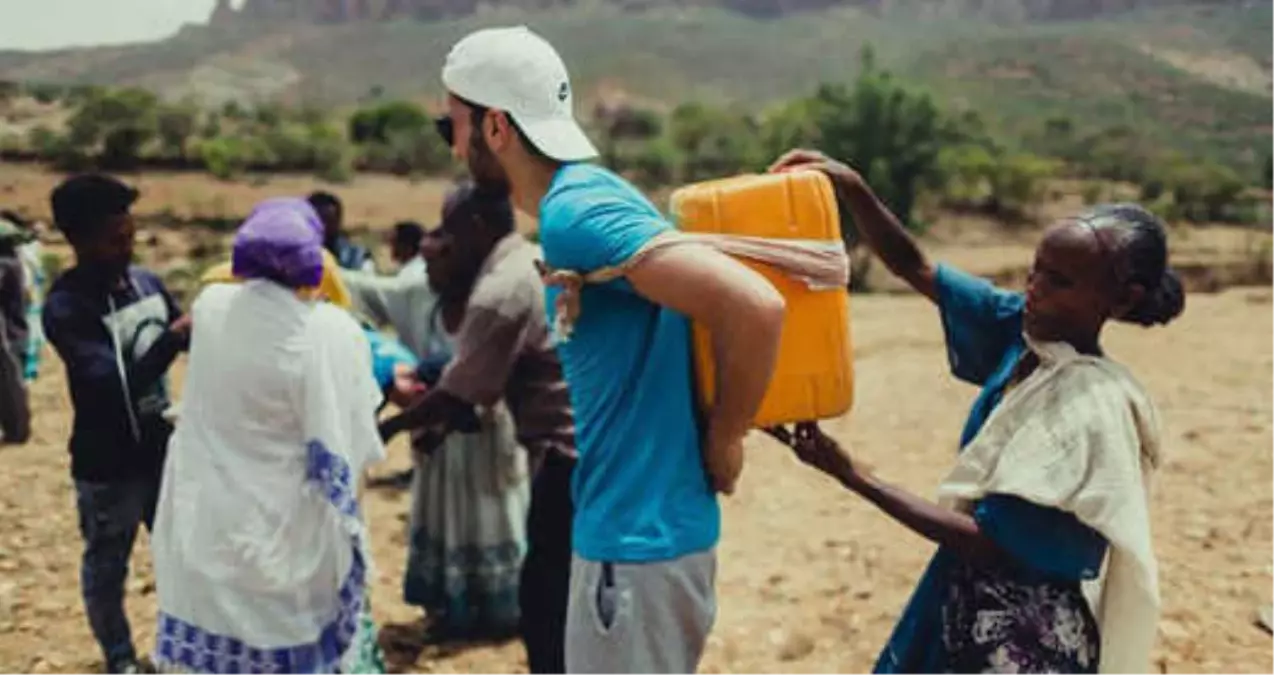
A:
[470,493]
[261,559]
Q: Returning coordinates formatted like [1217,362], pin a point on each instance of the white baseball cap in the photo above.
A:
[516,71]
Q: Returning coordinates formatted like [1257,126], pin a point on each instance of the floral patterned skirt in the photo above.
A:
[995,623]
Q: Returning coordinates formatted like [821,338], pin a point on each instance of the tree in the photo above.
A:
[965,170]
[331,155]
[629,123]
[399,137]
[268,115]
[1207,192]
[227,157]
[651,164]
[176,124]
[713,142]
[378,123]
[57,149]
[1017,184]
[890,133]
[1117,153]
[231,110]
[117,122]
[211,125]
[44,92]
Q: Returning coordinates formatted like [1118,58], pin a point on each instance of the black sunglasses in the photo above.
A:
[447,129]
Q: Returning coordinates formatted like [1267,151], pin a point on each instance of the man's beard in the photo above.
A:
[485,169]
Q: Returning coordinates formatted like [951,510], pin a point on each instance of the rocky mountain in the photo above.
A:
[1189,75]
[345,11]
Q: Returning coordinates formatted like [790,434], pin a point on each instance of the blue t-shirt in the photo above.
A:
[640,489]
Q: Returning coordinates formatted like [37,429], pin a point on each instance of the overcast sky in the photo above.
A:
[48,24]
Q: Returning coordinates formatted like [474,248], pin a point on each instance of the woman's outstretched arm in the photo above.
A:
[880,228]
[957,531]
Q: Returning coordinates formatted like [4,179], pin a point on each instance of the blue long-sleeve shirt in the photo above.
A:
[114,338]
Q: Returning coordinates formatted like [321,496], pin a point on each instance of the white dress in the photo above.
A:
[261,563]
[469,503]
[467,530]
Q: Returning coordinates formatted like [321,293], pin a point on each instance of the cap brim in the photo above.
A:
[559,139]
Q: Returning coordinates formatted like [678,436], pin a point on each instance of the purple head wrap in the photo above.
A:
[281,241]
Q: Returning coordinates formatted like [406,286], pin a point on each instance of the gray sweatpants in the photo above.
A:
[640,618]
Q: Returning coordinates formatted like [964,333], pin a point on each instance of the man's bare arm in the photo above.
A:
[744,314]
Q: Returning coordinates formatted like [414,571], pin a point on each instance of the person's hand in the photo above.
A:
[406,387]
[723,459]
[183,325]
[803,160]
[428,442]
[390,427]
[816,449]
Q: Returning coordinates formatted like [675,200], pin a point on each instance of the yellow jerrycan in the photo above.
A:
[814,377]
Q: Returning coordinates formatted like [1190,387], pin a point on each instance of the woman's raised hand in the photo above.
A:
[804,160]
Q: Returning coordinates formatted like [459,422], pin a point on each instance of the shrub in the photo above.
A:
[227,157]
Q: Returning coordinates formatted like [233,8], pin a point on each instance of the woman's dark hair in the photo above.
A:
[485,202]
[1140,248]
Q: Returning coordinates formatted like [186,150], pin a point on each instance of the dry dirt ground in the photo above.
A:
[811,578]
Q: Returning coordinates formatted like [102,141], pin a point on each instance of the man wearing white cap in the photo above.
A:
[646,518]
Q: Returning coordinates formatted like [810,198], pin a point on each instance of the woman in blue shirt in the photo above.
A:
[1003,591]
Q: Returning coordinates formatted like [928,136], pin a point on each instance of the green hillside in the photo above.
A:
[1194,79]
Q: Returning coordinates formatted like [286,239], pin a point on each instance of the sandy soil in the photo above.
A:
[811,579]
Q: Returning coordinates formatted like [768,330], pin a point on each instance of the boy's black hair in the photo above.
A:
[82,204]
[321,199]
[409,233]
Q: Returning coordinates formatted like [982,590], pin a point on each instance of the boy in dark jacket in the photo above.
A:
[118,331]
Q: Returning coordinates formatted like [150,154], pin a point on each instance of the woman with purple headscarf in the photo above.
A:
[261,560]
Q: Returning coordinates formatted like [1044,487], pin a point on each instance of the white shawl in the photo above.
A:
[1080,435]
[260,555]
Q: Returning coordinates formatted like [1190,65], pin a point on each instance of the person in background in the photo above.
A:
[1051,489]
[15,407]
[349,255]
[646,521]
[404,246]
[502,351]
[470,484]
[261,553]
[31,253]
[404,302]
[117,330]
